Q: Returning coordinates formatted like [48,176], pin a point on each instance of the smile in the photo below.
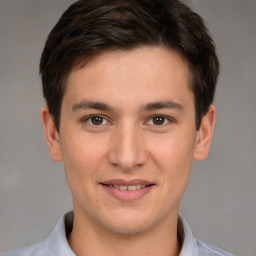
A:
[127,190]
[131,187]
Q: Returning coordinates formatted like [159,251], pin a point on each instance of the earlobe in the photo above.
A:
[204,134]
[51,135]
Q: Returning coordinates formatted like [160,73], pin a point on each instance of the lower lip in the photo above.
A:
[127,195]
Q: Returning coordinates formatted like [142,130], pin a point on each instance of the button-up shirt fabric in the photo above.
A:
[57,245]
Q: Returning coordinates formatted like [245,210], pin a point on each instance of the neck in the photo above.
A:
[160,240]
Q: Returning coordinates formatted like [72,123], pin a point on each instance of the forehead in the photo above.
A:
[151,71]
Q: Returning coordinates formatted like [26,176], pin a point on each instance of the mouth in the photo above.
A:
[123,187]
[127,190]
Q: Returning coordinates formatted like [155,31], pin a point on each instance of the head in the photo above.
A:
[129,86]
[89,28]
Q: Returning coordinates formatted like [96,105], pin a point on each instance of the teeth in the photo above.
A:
[131,187]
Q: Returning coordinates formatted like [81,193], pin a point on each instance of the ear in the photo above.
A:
[51,135]
[204,135]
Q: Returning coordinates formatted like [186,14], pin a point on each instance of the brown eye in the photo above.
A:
[96,120]
[158,120]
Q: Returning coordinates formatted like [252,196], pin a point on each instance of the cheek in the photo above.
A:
[82,162]
[82,158]
[174,150]
[174,156]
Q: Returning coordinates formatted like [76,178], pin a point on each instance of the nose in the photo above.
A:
[127,151]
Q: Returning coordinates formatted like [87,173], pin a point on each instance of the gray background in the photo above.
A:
[220,200]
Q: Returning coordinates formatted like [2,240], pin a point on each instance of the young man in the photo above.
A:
[129,87]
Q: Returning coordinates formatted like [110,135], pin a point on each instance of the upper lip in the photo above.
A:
[127,182]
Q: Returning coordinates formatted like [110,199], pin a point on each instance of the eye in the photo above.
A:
[159,120]
[96,120]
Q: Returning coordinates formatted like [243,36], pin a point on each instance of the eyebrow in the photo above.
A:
[162,105]
[91,105]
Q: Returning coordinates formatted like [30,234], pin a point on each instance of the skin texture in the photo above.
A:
[131,137]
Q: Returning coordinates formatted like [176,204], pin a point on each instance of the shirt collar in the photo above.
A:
[189,245]
[57,241]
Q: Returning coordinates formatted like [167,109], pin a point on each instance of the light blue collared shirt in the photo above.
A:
[57,245]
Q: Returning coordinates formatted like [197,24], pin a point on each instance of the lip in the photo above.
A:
[127,182]
[127,195]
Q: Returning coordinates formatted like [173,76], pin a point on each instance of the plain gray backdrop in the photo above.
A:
[220,200]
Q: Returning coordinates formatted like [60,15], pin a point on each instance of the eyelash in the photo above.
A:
[167,120]
[88,120]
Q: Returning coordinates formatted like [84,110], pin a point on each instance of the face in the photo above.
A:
[128,138]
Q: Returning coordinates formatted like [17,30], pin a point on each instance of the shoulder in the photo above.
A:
[55,245]
[37,249]
[208,250]
[193,247]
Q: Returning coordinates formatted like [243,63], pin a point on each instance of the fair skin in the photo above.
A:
[127,139]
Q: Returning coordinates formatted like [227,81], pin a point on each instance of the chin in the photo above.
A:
[129,225]
[128,230]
